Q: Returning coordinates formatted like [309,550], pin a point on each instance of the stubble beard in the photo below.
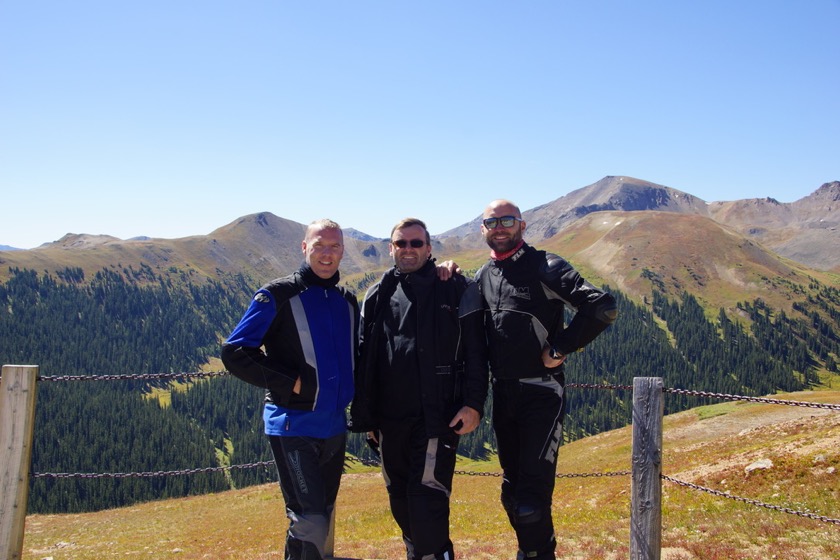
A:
[410,266]
[504,245]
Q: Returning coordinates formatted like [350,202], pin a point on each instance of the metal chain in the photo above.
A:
[558,475]
[598,386]
[151,474]
[752,399]
[593,475]
[374,463]
[128,377]
[365,462]
[607,386]
[752,502]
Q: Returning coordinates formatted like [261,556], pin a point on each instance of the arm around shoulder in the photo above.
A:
[471,314]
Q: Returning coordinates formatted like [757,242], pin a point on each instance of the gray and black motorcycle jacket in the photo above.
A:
[525,296]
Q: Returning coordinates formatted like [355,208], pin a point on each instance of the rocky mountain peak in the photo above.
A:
[828,191]
[612,193]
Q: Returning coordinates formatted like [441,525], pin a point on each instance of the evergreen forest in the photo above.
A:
[128,322]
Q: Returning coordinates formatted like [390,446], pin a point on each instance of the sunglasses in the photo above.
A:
[415,243]
[506,221]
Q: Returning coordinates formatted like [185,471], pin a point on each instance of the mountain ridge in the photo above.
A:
[263,245]
[805,230]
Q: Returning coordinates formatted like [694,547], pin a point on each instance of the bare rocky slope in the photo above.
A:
[805,230]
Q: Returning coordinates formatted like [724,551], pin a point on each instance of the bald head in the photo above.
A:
[502,225]
[502,207]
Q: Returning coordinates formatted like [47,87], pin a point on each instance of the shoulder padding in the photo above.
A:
[553,267]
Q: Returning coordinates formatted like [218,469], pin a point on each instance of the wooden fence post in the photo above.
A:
[17,419]
[646,492]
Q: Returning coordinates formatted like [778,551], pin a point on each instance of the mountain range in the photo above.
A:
[623,231]
[806,231]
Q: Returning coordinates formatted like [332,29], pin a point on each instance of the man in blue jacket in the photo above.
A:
[298,340]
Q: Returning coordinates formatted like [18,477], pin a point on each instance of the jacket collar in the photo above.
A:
[428,270]
[511,256]
[312,279]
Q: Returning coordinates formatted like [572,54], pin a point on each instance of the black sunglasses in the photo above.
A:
[506,221]
[402,243]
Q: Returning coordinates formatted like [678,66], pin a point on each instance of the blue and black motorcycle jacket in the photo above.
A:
[298,326]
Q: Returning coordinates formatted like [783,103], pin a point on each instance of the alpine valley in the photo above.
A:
[739,297]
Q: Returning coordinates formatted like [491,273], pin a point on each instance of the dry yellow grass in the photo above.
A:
[709,446]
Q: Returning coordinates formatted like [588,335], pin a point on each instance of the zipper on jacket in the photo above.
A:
[500,285]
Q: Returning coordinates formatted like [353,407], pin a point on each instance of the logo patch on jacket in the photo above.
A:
[261,298]
[523,292]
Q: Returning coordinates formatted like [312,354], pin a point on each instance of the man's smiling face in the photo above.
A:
[500,238]
[322,250]
[415,250]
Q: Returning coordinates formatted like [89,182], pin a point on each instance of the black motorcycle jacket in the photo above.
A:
[452,365]
[525,296]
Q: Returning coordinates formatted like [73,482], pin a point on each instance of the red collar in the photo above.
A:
[502,256]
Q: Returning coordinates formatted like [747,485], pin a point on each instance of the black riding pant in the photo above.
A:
[418,473]
[310,472]
[528,421]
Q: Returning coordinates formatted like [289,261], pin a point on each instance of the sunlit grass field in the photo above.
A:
[710,446]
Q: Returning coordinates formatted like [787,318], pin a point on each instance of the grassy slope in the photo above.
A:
[710,446]
[686,252]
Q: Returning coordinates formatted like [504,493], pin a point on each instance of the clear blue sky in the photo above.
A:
[173,118]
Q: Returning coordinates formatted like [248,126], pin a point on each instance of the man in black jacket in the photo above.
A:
[421,382]
[525,292]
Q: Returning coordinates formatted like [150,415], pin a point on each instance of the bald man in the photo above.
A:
[525,293]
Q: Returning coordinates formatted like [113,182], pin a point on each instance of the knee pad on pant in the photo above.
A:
[309,529]
[526,514]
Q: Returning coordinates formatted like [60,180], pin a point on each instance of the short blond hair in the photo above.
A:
[323,223]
